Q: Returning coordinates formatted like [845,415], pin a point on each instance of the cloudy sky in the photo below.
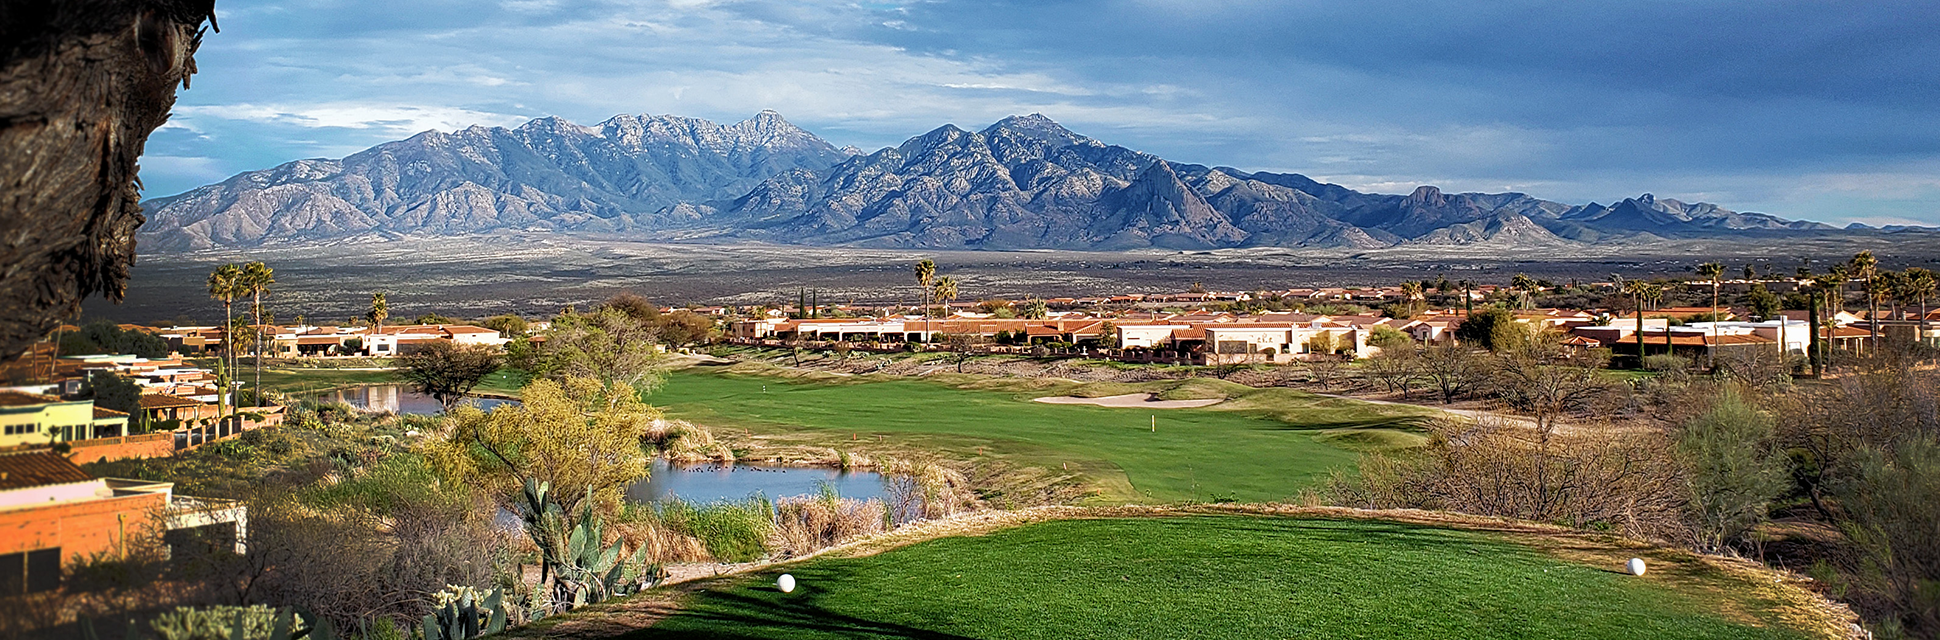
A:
[1823,110]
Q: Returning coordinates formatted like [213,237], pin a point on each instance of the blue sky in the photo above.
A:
[1821,110]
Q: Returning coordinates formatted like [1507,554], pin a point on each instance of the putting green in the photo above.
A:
[1271,446]
[1221,577]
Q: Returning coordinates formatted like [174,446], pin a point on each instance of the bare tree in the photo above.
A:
[1454,370]
[1395,369]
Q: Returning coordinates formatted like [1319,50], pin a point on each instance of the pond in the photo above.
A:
[398,399]
[712,482]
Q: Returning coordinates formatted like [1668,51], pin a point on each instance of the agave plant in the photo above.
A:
[580,571]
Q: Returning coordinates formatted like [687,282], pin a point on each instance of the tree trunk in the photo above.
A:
[82,83]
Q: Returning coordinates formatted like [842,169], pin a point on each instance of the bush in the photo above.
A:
[1665,362]
[215,623]
[1891,517]
[1734,468]
[808,523]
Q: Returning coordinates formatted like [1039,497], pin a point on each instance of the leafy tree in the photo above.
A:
[607,344]
[102,336]
[578,435]
[111,391]
[447,371]
[634,306]
[1763,303]
[1387,337]
[435,318]
[507,326]
[1494,329]
[1734,467]
[683,327]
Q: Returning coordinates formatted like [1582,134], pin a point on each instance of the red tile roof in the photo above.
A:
[38,469]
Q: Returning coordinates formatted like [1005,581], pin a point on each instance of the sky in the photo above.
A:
[1823,110]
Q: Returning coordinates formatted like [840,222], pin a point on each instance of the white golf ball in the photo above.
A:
[1636,566]
[786,583]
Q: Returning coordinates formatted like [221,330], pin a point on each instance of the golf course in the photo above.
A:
[1236,576]
[1259,445]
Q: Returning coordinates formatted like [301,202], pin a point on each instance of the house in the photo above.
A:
[33,419]
[391,341]
[53,513]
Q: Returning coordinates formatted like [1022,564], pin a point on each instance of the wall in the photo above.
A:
[79,528]
[149,445]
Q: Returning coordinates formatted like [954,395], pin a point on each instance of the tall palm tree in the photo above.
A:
[946,290]
[256,280]
[1715,273]
[1636,289]
[379,310]
[1654,294]
[1920,284]
[225,284]
[1866,267]
[925,277]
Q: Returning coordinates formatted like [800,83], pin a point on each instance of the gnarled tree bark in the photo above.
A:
[82,84]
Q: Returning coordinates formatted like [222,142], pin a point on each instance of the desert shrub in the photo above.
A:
[683,441]
[1666,362]
[1892,518]
[1624,482]
[805,524]
[920,490]
[1733,468]
[640,525]
[731,531]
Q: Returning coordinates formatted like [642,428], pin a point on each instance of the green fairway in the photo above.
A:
[1268,446]
[1221,577]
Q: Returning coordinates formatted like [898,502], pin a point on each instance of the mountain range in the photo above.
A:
[1024,182]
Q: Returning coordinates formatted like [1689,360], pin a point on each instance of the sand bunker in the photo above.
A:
[1132,400]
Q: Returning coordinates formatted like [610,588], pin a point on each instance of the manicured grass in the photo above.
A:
[300,381]
[1220,577]
[1269,445]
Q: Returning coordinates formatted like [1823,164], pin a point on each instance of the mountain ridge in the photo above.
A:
[1024,182]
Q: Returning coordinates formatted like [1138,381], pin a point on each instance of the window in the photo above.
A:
[31,572]
[19,429]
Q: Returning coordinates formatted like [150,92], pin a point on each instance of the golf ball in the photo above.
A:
[786,583]
[1636,566]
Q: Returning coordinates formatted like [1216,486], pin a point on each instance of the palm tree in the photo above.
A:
[926,276]
[1715,273]
[1654,294]
[1525,287]
[1920,284]
[1412,290]
[946,290]
[1866,267]
[256,280]
[379,310]
[225,284]
[1637,289]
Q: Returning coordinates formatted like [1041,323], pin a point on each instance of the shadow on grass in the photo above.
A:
[776,616]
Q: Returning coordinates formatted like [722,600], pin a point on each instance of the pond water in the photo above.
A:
[712,482]
[398,399]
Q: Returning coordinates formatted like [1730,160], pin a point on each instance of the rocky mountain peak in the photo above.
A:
[1035,126]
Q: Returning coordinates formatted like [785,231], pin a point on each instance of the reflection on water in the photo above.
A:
[399,399]
[711,482]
